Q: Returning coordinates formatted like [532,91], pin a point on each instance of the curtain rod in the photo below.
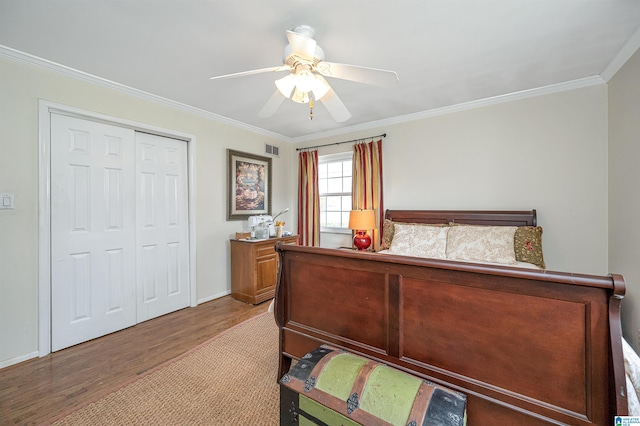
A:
[384,135]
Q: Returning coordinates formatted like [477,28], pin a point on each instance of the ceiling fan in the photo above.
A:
[305,83]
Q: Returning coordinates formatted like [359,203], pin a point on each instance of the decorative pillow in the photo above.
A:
[387,234]
[388,229]
[527,244]
[482,243]
[420,241]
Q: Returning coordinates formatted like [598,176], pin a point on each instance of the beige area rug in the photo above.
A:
[229,380]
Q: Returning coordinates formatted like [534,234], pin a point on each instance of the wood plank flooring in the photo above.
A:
[39,389]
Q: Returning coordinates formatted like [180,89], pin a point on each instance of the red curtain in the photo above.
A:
[308,199]
[367,184]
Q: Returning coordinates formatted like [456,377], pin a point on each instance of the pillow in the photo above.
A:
[420,240]
[388,228]
[482,243]
[387,234]
[527,244]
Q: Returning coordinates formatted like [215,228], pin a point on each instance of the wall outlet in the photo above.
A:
[6,201]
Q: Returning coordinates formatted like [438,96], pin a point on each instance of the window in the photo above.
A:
[334,180]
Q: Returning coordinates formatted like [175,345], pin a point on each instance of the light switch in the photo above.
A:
[6,201]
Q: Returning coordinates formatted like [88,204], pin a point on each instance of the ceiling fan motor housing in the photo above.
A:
[293,60]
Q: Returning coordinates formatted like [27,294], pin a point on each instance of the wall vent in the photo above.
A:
[272,150]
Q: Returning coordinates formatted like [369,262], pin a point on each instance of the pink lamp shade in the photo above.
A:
[361,221]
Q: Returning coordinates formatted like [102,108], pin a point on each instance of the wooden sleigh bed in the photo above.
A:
[527,347]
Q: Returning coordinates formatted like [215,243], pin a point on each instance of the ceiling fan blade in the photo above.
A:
[301,45]
[252,72]
[336,108]
[272,105]
[366,75]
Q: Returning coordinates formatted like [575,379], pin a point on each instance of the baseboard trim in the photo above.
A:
[215,296]
[18,359]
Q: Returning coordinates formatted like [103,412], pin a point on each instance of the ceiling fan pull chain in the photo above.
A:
[311,109]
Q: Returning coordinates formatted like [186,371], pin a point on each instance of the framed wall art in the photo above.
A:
[249,181]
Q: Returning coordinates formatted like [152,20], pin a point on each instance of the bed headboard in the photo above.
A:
[471,217]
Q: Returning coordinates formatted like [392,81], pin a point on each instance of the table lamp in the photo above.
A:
[361,221]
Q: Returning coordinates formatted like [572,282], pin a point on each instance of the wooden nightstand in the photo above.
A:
[254,268]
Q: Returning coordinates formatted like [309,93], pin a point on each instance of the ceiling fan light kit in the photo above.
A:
[304,80]
[293,86]
[300,97]
[304,60]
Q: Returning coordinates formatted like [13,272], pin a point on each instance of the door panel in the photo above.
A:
[163,228]
[267,270]
[92,230]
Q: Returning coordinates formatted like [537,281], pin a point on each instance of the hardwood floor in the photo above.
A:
[39,389]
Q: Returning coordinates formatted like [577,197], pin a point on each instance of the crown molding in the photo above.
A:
[73,73]
[524,94]
[629,48]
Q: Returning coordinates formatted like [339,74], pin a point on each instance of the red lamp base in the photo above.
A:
[361,240]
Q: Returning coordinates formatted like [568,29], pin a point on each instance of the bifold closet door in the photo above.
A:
[93,222]
[162,226]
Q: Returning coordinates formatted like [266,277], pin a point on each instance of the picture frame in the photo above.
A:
[249,185]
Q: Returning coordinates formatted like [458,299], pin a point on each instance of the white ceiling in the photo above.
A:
[446,53]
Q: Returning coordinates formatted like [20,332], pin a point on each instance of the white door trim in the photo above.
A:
[45,108]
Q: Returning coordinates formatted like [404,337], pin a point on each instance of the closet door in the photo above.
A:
[93,277]
[162,226]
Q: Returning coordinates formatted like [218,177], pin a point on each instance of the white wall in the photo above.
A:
[21,85]
[547,153]
[624,195]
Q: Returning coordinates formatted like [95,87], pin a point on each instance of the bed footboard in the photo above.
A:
[526,347]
